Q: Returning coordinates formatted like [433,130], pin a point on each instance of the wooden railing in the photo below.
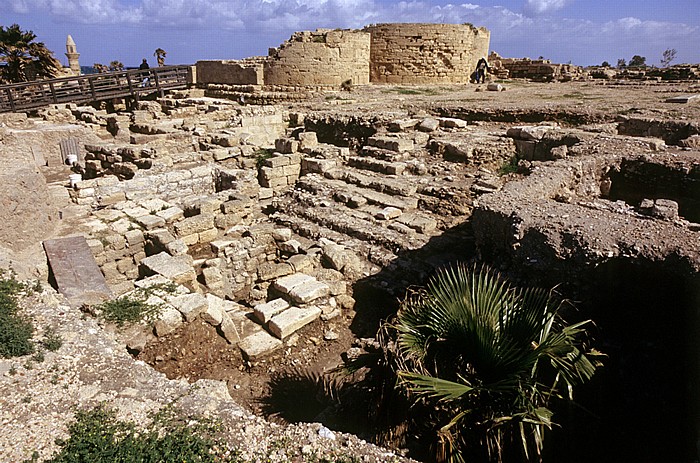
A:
[91,87]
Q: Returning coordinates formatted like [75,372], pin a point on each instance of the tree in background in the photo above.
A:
[116,66]
[621,63]
[605,64]
[668,56]
[638,61]
[160,56]
[100,68]
[24,58]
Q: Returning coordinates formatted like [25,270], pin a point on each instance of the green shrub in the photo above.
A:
[127,309]
[96,436]
[51,341]
[261,155]
[509,167]
[15,330]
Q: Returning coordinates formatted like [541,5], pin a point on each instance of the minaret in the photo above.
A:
[73,55]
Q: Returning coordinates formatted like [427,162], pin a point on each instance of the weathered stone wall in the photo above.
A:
[539,70]
[328,57]
[425,53]
[166,185]
[239,72]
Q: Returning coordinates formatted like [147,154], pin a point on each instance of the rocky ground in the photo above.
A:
[195,367]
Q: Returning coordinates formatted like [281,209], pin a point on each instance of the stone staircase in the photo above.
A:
[393,201]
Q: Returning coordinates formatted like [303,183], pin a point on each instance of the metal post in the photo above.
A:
[92,88]
[9,97]
[53,93]
[160,90]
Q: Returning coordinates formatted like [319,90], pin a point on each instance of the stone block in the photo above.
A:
[190,305]
[176,268]
[259,344]
[451,123]
[207,236]
[292,319]
[286,145]
[316,165]
[302,263]
[420,223]
[168,321]
[282,234]
[289,282]
[218,246]
[270,270]
[277,161]
[238,325]
[264,312]
[388,213]
[150,222]
[307,140]
[213,313]
[265,193]
[290,247]
[134,237]
[429,125]
[213,278]
[190,240]
[177,248]
[309,291]
[194,224]
[171,214]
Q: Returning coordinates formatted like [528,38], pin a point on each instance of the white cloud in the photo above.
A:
[234,27]
[543,6]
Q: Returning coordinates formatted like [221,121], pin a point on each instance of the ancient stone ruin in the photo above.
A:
[379,53]
[286,233]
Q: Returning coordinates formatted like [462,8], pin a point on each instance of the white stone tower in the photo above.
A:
[73,55]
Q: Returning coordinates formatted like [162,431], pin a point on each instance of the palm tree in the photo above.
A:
[484,359]
[100,68]
[25,59]
[160,56]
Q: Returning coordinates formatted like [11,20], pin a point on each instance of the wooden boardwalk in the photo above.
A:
[91,87]
[75,271]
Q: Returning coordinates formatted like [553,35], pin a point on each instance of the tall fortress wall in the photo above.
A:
[402,53]
[425,53]
[323,57]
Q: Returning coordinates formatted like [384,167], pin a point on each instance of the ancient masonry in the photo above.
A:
[425,53]
[381,53]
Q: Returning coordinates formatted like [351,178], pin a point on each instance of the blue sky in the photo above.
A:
[584,32]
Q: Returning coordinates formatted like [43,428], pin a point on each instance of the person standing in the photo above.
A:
[146,75]
[482,66]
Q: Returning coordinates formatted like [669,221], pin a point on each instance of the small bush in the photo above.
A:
[51,341]
[509,167]
[15,330]
[127,309]
[261,155]
[96,436]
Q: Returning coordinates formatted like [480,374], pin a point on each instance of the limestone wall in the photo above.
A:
[538,70]
[425,53]
[166,185]
[323,57]
[239,72]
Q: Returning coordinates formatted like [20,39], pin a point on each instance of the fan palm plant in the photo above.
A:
[24,58]
[485,359]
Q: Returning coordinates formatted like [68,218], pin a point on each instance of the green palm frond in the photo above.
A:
[471,339]
[432,387]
